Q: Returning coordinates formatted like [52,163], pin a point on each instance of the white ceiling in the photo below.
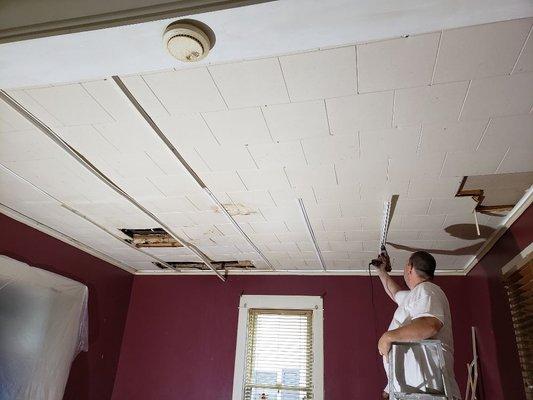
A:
[258,31]
[341,128]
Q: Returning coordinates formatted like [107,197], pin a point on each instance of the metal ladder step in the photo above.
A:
[436,345]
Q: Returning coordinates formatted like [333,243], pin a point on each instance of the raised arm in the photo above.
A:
[391,287]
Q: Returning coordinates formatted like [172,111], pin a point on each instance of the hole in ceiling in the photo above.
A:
[496,194]
[219,265]
[154,237]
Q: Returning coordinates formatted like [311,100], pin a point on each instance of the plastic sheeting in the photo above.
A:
[43,326]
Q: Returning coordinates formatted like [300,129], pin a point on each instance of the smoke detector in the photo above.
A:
[186,42]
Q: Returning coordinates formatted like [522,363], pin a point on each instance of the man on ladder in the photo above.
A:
[423,313]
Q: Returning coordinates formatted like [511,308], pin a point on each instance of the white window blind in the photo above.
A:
[520,290]
[279,355]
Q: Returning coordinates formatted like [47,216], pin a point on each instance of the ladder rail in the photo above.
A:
[436,344]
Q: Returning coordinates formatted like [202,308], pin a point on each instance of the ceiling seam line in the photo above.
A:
[436,60]
[521,51]
[464,100]
[133,101]
[155,95]
[96,172]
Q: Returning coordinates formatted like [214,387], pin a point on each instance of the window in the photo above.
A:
[279,349]
[520,291]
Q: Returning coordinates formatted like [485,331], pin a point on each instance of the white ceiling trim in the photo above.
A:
[301,272]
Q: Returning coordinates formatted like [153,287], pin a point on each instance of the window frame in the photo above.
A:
[313,303]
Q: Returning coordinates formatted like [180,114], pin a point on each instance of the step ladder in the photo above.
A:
[434,349]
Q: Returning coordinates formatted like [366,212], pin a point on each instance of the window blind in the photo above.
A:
[519,286]
[279,355]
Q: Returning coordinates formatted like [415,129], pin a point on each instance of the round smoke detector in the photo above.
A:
[186,42]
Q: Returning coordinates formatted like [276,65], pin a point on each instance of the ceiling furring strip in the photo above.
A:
[131,98]
[102,177]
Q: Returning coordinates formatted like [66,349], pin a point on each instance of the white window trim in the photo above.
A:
[313,303]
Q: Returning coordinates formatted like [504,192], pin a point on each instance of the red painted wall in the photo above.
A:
[181,332]
[93,373]
[500,367]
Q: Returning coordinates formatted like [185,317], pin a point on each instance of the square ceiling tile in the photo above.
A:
[17,121]
[284,196]
[377,190]
[424,165]
[144,95]
[330,149]
[107,94]
[517,160]
[406,206]
[289,211]
[341,193]
[240,86]
[364,170]
[278,154]
[451,136]
[264,179]
[70,104]
[360,209]
[502,132]
[170,204]
[226,158]
[433,187]
[185,90]
[186,130]
[455,205]
[480,51]
[140,188]
[463,163]
[175,185]
[499,96]
[130,165]
[245,126]
[401,141]
[27,145]
[129,136]
[85,139]
[361,235]
[423,222]
[223,181]
[320,74]
[397,63]
[317,175]
[342,224]
[349,114]
[429,103]
[296,120]
[252,199]
[323,210]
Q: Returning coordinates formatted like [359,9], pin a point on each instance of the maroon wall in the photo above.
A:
[93,373]
[500,368]
[181,332]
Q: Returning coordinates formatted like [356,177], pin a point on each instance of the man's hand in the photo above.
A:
[385,262]
[384,345]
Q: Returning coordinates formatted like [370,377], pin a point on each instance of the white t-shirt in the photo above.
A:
[425,300]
